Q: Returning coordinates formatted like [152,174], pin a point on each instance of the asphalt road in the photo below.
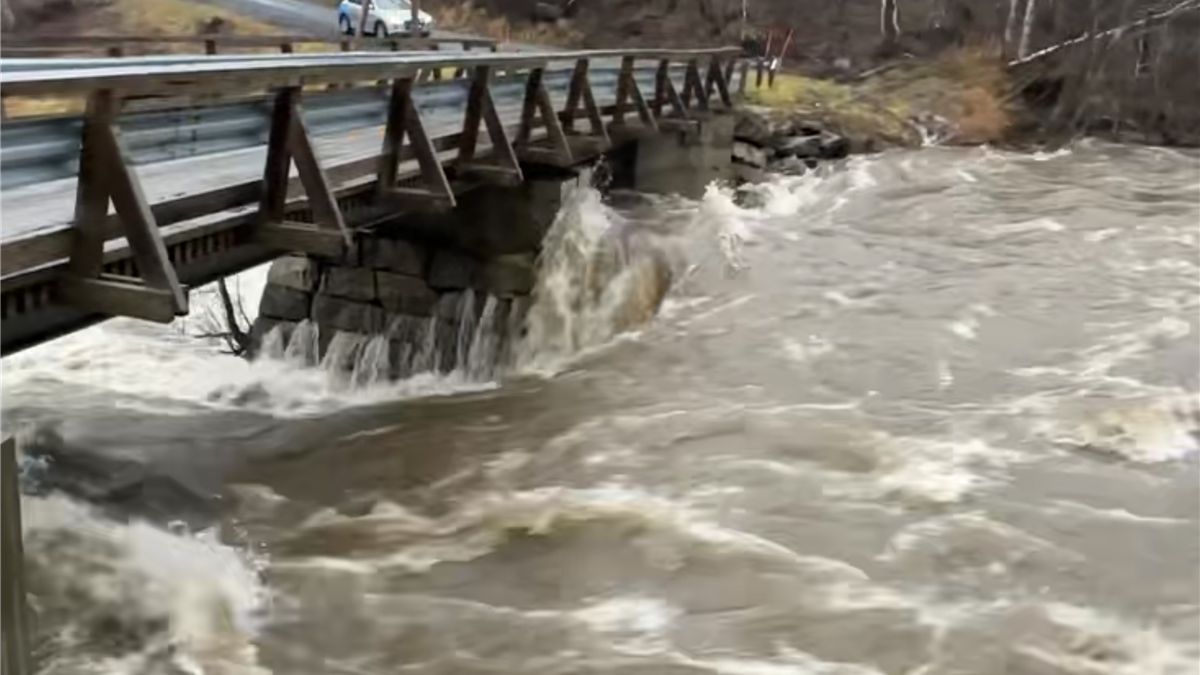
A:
[319,19]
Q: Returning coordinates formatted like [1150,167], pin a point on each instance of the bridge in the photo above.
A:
[181,170]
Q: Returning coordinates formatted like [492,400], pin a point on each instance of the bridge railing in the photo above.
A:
[18,45]
[546,108]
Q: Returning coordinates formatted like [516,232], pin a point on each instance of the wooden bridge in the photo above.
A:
[179,170]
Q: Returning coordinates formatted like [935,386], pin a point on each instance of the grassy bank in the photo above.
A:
[968,89]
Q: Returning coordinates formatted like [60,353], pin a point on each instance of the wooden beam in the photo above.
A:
[668,93]
[404,118]
[14,603]
[106,174]
[538,104]
[693,86]
[745,74]
[629,91]
[326,212]
[297,237]
[482,110]
[115,295]
[717,77]
[581,92]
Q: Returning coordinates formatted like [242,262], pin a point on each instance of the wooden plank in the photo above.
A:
[693,86]
[624,80]
[118,296]
[473,116]
[670,93]
[14,606]
[279,157]
[326,212]
[294,237]
[393,132]
[92,189]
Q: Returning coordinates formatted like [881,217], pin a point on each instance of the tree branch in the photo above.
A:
[1151,20]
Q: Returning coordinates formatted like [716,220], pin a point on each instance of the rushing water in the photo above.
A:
[929,413]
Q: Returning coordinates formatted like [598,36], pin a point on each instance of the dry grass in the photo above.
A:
[968,88]
[466,17]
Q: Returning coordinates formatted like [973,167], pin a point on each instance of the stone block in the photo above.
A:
[394,255]
[297,272]
[281,302]
[509,275]
[347,315]
[404,294]
[352,283]
[450,270]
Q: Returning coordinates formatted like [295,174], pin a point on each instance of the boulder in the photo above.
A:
[404,294]
[352,283]
[297,272]
[347,315]
[509,275]
[395,255]
[749,154]
[281,302]
[450,270]
[802,147]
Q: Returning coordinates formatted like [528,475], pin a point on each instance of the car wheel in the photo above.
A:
[344,25]
[380,30]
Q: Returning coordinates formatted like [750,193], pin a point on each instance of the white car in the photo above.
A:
[387,17]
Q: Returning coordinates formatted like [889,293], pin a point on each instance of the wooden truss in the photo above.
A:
[290,142]
[105,175]
[544,136]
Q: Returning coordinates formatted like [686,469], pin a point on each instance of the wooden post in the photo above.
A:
[14,609]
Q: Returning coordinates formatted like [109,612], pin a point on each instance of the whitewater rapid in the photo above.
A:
[924,414]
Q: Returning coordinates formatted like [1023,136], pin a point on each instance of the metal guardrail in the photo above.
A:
[19,45]
[38,150]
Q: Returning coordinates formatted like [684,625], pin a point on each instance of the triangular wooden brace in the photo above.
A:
[482,110]
[581,91]
[105,173]
[404,118]
[538,103]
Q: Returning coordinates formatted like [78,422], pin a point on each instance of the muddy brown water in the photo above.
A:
[928,413]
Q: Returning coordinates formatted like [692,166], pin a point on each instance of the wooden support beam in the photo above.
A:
[106,174]
[404,118]
[301,238]
[629,91]
[667,93]
[482,110]
[717,77]
[693,86]
[290,142]
[538,104]
[745,74]
[17,653]
[581,92]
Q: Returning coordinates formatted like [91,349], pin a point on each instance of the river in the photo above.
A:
[926,413]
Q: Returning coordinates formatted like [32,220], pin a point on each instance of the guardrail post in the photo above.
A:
[105,173]
[14,609]
[289,142]
[210,47]
[482,110]
[758,73]
[403,117]
[745,73]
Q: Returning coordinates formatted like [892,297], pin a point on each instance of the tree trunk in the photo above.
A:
[1010,27]
[889,21]
[1026,28]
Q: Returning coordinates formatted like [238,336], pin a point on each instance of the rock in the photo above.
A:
[754,125]
[262,328]
[352,283]
[509,275]
[750,154]
[789,166]
[802,147]
[834,147]
[404,294]
[347,315]
[395,255]
[294,271]
[450,270]
[281,302]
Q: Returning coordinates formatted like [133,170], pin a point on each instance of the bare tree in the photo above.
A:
[231,326]
[1010,27]
[889,21]
[1026,28]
